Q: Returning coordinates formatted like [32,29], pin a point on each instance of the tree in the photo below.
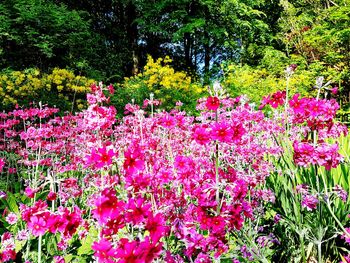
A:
[39,33]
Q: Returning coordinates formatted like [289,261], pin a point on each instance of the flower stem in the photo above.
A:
[39,248]
[217,197]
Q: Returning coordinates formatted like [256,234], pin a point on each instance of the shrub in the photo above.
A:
[160,78]
[61,88]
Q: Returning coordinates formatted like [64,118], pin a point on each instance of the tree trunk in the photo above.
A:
[187,50]
[132,33]
[206,53]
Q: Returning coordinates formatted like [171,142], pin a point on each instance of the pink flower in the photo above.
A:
[334,90]
[203,258]
[133,160]
[58,259]
[277,99]
[110,89]
[150,250]
[212,103]
[128,252]
[168,121]
[7,255]
[37,225]
[217,225]
[101,158]
[340,192]
[309,202]
[201,135]
[237,132]
[51,196]
[30,192]
[137,210]
[106,205]
[104,251]
[303,153]
[2,164]
[296,104]
[346,235]
[184,164]
[346,258]
[156,226]
[11,218]
[222,132]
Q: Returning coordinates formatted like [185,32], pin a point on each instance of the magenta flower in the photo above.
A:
[277,99]
[58,259]
[104,251]
[168,121]
[128,252]
[201,135]
[37,225]
[310,202]
[156,227]
[217,225]
[222,132]
[334,90]
[30,192]
[101,157]
[137,210]
[212,103]
[133,161]
[2,164]
[183,164]
[106,205]
[346,235]
[11,218]
[203,258]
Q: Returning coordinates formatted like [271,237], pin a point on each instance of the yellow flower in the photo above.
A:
[59,88]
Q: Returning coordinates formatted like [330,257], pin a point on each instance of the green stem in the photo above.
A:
[319,252]
[27,250]
[39,248]
[217,171]
[302,247]
[217,177]
[286,106]
[336,219]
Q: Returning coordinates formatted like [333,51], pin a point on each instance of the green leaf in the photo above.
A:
[85,248]
[68,258]
[11,203]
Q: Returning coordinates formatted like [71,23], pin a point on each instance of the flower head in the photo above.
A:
[212,103]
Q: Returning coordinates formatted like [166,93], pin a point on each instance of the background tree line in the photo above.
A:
[110,39]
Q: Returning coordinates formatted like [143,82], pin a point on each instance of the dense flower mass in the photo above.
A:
[168,187]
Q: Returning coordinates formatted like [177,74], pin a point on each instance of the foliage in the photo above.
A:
[167,85]
[257,82]
[319,33]
[61,88]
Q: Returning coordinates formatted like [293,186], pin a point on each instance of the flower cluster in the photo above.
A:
[166,187]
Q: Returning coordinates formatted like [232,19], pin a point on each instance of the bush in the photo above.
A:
[61,88]
[167,85]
